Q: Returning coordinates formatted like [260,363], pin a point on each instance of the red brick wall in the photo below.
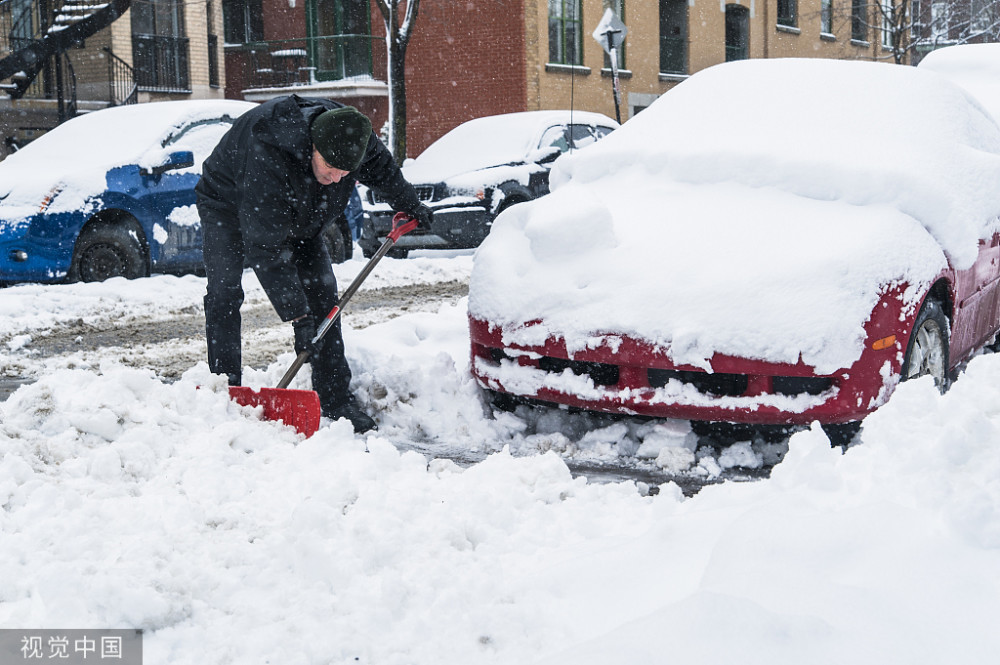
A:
[466,59]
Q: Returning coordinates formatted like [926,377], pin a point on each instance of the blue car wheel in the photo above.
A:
[108,250]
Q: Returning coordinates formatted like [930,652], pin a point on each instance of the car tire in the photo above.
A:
[105,250]
[397,253]
[841,434]
[927,350]
[336,243]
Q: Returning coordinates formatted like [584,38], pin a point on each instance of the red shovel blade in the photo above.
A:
[296,408]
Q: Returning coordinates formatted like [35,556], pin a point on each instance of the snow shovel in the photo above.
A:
[300,408]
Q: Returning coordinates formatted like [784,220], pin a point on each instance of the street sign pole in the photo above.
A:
[613,53]
[610,34]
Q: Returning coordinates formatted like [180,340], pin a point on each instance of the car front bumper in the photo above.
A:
[625,376]
[453,228]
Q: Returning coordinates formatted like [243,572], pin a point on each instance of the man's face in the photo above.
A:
[326,174]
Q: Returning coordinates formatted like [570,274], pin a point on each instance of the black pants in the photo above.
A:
[224,258]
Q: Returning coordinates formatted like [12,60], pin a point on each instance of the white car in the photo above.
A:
[480,168]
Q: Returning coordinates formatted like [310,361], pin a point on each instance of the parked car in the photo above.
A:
[479,169]
[111,193]
[974,67]
[770,244]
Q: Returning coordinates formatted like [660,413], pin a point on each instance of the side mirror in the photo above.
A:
[176,160]
[545,155]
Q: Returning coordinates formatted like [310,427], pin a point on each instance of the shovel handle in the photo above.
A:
[402,223]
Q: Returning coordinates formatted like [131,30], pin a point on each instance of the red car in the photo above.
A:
[771,243]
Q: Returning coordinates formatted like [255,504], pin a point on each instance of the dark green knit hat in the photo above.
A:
[341,136]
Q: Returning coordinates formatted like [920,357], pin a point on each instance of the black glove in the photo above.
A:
[305,332]
[424,217]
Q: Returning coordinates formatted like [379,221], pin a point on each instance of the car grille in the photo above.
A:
[424,193]
[714,384]
[724,385]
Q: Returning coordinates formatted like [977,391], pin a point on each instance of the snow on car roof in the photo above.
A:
[759,209]
[975,67]
[491,141]
[78,153]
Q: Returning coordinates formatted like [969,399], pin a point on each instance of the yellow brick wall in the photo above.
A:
[641,81]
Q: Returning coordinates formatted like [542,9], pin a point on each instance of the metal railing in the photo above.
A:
[161,63]
[16,26]
[122,88]
[290,62]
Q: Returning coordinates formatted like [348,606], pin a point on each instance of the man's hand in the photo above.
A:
[424,217]
[305,332]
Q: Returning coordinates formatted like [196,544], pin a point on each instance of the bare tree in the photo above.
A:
[397,37]
[908,29]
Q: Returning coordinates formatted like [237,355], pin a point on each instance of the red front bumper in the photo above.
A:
[627,376]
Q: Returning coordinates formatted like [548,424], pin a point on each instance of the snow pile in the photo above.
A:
[128,502]
[769,239]
[975,67]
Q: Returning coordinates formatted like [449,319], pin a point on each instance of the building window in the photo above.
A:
[673,36]
[788,13]
[618,7]
[916,24]
[939,20]
[159,47]
[339,38]
[826,17]
[859,27]
[213,46]
[565,32]
[737,32]
[887,23]
[242,21]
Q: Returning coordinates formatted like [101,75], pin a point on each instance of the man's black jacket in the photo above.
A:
[260,178]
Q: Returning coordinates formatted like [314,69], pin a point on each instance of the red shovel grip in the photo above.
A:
[401,227]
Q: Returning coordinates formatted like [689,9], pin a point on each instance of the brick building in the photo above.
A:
[154,50]
[468,58]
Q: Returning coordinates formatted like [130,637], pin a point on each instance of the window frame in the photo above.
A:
[242,21]
[788,13]
[558,42]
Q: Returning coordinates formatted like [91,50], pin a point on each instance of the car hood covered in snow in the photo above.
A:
[73,158]
[766,232]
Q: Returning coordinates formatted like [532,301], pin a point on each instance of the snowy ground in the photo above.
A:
[134,501]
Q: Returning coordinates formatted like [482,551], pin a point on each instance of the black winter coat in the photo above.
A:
[260,177]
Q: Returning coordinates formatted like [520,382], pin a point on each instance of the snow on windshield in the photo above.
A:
[759,209]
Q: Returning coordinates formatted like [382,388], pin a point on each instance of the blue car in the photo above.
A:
[110,193]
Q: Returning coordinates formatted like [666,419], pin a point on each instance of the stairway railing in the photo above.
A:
[122,89]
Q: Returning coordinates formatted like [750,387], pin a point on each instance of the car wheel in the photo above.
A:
[397,253]
[336,244]
[841,434]
[106,250]
[927,352]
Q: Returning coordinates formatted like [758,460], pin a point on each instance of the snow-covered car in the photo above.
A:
[974,67]
[111,193]
[772,243]
[477,170]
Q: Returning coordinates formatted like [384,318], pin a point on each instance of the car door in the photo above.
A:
[977,312]
[177,229]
